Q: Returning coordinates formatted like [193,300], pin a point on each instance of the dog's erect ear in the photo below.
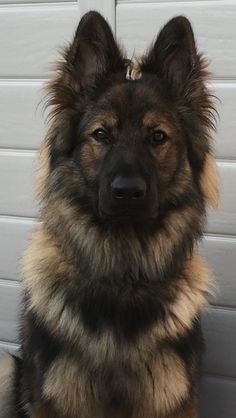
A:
[93,54]
[173,55]
[93,51]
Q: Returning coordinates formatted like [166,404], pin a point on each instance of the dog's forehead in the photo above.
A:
[132,97]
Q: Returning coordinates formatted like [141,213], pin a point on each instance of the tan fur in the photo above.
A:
[105,249]
[46,265]
[40,278]
[71,391]
[66,386]
[43,168]
[190,291]
[102,121]
[171,382]
[166,156]
[6,373]
[181,183]
[152,118]
[6,365]
[210,182]
[189,297]
[176,223]
[90,154]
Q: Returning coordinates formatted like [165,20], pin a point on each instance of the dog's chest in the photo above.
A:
[117,381]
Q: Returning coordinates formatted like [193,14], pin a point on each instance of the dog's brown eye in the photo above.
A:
[158,137]
[101,136]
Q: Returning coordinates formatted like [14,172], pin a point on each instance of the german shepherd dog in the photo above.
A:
[113,285]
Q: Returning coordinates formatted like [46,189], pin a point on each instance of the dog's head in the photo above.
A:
[129,143]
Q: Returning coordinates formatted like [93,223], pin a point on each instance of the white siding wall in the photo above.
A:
[30,35]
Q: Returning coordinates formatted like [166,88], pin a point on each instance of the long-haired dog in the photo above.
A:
[113,285]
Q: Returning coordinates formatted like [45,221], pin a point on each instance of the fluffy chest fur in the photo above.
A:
[109,381]
[94,370]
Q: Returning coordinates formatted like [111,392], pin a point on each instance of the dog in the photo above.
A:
[113,284]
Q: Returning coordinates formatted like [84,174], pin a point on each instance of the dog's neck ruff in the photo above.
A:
[100,250]
[50,278]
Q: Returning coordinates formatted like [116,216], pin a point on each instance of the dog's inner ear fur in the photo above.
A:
[94,52]
[173,56]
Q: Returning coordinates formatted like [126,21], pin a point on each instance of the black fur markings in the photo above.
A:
[39,349]
[127,308]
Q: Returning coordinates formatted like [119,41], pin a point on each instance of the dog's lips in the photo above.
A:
[129,213]
[113,215]
[125,216]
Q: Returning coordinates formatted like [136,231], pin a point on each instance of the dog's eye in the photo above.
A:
[158,137]
[101,135]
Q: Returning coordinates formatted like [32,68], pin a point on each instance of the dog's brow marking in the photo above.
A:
[151,119]
[133,71]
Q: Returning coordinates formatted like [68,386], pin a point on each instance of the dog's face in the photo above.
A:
[127,149]
[130,150]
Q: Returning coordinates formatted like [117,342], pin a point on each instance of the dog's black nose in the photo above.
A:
[132,187]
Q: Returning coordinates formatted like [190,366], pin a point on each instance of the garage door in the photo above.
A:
[31,32]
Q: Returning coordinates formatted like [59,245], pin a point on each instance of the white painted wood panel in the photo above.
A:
[21,119]
[13,2]
[8,348]
[217,399]
[226,127]
[224,221]
[157,1]
[105,7]
[17,170]
[219,327]
[220,253]
[213,23]
[31,36]
[14,236]
[9,310]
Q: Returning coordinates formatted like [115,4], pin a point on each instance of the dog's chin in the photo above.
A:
[125,218]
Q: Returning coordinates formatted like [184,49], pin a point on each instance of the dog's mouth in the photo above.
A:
[125,209]
[125,217]
[116,217]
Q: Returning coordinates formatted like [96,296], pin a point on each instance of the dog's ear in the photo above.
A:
[93,54]
[93,51]
[173,56]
